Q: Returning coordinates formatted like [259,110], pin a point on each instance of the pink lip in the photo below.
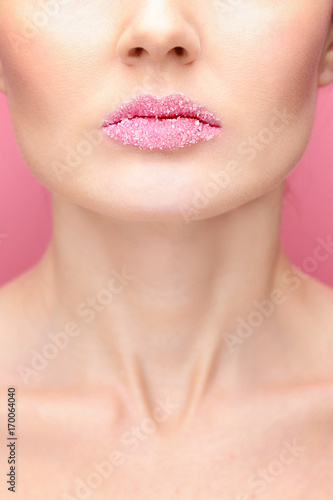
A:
[169,122]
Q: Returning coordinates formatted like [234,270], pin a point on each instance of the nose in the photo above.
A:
[159,31]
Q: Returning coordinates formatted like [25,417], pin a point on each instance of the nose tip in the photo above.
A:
[159,36]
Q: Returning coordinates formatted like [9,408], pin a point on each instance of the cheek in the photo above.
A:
[53,79]
[59,56]
[291,57]
[269,54]
[268,59]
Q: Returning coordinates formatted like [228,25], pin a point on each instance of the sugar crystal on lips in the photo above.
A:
[158,133]
[171,122]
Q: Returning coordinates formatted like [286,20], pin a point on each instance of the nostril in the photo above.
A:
[136,52]
[179,51]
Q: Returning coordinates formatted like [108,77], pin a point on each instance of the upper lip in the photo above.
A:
[170,106]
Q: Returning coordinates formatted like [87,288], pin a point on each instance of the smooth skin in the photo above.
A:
[157,258]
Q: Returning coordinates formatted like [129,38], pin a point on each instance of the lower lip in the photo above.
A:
[161,133]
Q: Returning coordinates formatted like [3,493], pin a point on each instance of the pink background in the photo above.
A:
[25,217]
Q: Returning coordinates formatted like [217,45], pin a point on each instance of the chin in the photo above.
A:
[183,203]
[184,186]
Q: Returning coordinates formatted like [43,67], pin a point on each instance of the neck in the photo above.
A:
[156,299]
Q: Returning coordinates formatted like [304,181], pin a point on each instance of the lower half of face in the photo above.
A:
[253,64]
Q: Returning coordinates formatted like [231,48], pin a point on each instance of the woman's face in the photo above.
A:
[256,64]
